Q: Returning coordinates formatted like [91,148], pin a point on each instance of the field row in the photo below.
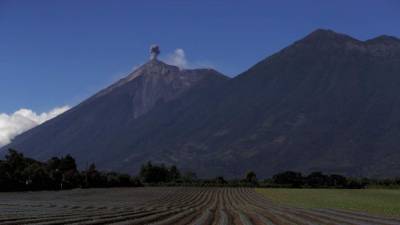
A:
[170,206]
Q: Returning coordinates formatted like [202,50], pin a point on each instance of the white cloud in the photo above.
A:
[177,58]
[22,120]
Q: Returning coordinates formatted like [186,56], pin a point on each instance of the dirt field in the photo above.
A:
[167,206]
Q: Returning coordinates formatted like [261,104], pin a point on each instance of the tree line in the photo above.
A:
[20,173]
[152,174]
[291,179]
[162,175]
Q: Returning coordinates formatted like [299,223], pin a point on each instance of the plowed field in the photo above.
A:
[168,206]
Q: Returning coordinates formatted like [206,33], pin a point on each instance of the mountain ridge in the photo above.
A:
[111,109]
[326,102]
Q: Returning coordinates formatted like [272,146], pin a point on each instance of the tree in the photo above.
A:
[92,177]
[289,178]
[15,165]
[174,173]
[18,173]
[317,179]
[251,178]
[124,180]
[189,177]
[6,181]
[56,176]
[337,181]
[67,164]
[150,173]
[16,161]
[37,177]
[220,180]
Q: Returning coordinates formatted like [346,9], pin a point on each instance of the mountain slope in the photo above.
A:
[327,102]
[87,131]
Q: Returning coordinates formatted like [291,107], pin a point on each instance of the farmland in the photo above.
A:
[374,201]
[167,206]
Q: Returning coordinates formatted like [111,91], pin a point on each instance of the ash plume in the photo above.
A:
[154,52]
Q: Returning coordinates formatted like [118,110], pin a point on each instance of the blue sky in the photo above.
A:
[56,53]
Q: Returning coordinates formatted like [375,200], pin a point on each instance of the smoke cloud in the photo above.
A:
[154,52]
[177,58]
[22,120]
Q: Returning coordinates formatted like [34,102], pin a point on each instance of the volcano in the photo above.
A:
[89,130]
[327,102]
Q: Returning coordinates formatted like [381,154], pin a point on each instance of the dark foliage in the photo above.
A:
[291,179]
[19,173]
[251,178]
[150,173]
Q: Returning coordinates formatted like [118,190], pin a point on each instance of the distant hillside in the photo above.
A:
[89,130]
[327,102]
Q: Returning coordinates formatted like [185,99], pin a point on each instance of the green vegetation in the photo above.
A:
[162,175]
[375,201]
[291,179]
[19,173]
[154,174]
